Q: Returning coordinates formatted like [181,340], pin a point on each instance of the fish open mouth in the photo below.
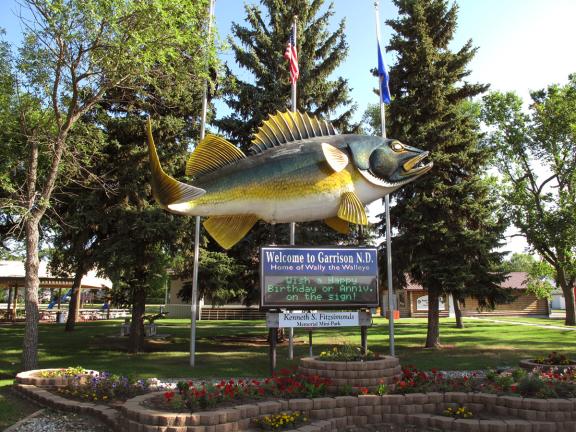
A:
[416,166]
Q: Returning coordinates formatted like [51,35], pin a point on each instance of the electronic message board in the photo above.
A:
[318,278]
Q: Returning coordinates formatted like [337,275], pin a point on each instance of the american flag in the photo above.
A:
[292,56]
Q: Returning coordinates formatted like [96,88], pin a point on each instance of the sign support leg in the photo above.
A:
[364,339]
[310,343]
[272,334]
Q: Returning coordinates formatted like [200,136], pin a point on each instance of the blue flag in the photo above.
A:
[384,78]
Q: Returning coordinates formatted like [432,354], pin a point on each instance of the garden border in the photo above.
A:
[329,413]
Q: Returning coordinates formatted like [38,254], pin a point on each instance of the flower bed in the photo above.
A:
[553,360]
[192,397]
[367,376]
[59,377]
[502,402]
[559,383]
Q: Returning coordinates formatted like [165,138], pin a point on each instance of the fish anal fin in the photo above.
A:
[212,152]
[167,190]
[336,158]
[229,230]
[338,225]
[352,210]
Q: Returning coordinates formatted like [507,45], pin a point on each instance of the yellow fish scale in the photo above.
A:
[282,189]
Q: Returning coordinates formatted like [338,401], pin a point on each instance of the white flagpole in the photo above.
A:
[292,224]
[386,209]
[194,307]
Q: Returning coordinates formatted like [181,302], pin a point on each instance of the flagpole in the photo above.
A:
[386,206]
[194,307]
[292,224]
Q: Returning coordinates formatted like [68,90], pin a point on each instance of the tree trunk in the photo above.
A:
[458,313]
[74,306]
[433,335]
[570,310]
[31,284]
[136,338]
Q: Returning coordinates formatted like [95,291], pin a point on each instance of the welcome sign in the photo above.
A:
[312,278]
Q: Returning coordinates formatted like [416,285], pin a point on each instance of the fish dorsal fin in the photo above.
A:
[282,128]
[229,230]
[212,152]
[352,210]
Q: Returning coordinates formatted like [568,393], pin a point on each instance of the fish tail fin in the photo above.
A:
[166,190]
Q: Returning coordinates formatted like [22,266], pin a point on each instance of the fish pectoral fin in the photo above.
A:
[229,230]
[211,153]
[352,210]
[338,225]
[336,158]
[166,190]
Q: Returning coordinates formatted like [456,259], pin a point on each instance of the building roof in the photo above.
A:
[515,280]
[12,273]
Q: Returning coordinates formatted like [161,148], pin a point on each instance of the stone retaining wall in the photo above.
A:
[368,374]
[34,377]
[327,414]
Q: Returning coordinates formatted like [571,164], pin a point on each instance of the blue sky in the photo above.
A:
[523,44]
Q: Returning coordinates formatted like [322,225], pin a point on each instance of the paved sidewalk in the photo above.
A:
[563,328]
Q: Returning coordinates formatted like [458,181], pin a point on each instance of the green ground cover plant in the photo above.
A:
[12,407]
[239,348]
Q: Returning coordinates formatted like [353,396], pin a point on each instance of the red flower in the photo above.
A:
[168,395]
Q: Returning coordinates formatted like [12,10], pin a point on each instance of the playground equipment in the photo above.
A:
[65,298]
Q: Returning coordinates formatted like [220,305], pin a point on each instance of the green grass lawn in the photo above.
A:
[12,408]
[238,348]
[530,320]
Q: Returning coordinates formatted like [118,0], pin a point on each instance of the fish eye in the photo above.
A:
[397,146]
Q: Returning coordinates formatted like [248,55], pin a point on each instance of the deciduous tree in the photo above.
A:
[536,155]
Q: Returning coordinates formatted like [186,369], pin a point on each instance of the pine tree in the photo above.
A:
[448,223]
[259,49]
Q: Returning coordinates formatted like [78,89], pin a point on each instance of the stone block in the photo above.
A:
[537,404]
[339,412]
[326,402]
[541,426]
[518,425]
[365,410]
[510,401]
[416,398]
[321,414]
[441,422]
[458,397]
[392,400]
[300,404]
[269,407]
[345,401]
[208,418]
[493,426]
[434,397]
[371,400]
[375,419]
[466,425]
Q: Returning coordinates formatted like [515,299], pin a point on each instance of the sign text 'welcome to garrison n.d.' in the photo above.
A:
[319,277]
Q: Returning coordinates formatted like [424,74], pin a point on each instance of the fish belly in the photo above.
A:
[321,201]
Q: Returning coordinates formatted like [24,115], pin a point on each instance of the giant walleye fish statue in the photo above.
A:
[298,169]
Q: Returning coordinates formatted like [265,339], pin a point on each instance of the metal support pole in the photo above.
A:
[310,343]
[389,274]
[292,224]
[273,332]
[364,339]
[194,307]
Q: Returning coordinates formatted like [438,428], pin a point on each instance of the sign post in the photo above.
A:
[318,278]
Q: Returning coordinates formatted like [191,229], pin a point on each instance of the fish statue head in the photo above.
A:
[388,162]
